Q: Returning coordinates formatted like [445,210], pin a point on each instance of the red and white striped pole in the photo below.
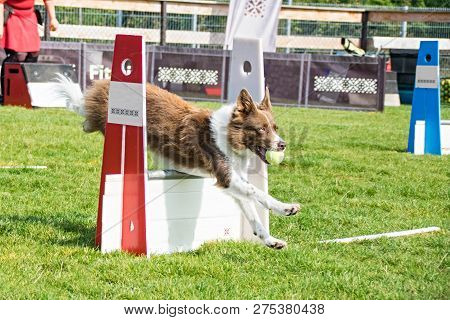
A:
[121,211]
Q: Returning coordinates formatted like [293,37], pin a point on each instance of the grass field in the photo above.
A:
[348,169]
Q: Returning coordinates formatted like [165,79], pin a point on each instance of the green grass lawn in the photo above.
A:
[348,169]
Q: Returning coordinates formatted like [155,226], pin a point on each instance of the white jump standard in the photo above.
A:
[247,71]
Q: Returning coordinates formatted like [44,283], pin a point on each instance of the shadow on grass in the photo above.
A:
[375,147]
[57,230]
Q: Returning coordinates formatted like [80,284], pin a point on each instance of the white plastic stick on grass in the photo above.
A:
[387,235]
[23,167]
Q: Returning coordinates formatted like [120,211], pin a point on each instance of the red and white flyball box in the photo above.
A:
[152,212]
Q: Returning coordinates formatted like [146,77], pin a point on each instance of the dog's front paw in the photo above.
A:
[292,209]
[274,243]
[287,209]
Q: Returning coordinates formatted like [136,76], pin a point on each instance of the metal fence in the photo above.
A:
[302,80]
[89,15]
[217,24]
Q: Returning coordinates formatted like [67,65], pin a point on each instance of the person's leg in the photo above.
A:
[32,57]
[11,56]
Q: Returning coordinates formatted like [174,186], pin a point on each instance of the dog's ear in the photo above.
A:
[245,102]
[265,103]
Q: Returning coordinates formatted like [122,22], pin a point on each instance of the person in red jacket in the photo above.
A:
[20,34]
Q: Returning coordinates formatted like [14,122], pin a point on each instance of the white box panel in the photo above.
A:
[111,223]
[419,138]
[181,214]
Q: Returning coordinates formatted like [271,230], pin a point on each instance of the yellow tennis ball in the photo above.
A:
[274,157]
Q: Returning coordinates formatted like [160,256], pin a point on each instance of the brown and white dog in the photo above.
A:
[202,142]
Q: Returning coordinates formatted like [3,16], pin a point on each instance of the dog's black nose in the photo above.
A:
[281,145]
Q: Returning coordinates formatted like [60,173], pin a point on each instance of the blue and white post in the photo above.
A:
[426,108]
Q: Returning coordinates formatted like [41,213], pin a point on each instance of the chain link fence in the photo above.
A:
[217,24]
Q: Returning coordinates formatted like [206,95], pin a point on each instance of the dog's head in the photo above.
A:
[252,126]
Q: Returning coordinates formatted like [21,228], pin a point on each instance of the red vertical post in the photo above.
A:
[125,150]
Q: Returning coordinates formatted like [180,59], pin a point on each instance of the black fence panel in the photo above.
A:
[282,73]
[302,80]
[343,82]
[97,62]
[63,53]
[191,73]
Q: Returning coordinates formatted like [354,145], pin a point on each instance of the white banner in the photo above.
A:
[253,19]
[227,309]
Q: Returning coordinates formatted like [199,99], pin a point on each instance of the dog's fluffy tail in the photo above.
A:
[71,93]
